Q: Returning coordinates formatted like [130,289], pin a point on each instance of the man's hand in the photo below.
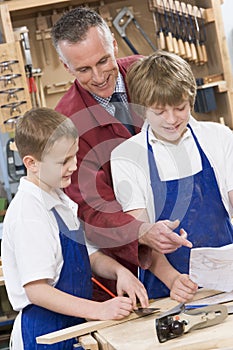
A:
[183,289]
[160,236]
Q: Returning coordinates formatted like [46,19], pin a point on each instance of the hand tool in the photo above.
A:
[179,32]
[42,26]
[9,78]
[188,52]
[122,20]
[168,34]
[157,17]
[14,168]
[28,66]
[12,93]
[198,46]
[144,311]
[120,24]
[203,37]
[179,320]
[141,311]
[192,36]
[7,65]
[14,106]
[103,287]
[174,29]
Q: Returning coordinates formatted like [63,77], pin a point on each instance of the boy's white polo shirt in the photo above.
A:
[31,247]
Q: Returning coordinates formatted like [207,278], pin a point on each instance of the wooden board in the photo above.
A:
[91,326]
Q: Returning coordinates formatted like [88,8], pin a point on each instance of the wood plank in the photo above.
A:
[88,342]
[92,326]
[6,24]
[102,342]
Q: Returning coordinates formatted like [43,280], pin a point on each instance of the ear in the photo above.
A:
[64,64]
[30,163]
[115,46]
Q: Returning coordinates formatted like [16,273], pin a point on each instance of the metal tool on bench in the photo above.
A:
[180,320]
[122,20]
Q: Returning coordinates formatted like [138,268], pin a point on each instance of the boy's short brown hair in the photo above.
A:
[159,79]
[39,129]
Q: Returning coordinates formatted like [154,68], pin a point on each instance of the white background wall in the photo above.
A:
[227,14]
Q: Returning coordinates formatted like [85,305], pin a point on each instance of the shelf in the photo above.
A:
[17,5]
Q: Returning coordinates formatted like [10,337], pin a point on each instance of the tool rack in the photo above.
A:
[215,72]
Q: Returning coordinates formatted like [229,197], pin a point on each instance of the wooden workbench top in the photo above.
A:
[140,334]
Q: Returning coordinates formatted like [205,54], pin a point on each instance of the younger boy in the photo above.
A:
[175,168]
[46,266]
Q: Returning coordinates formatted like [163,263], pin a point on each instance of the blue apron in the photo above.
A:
[194,200]
[75,279]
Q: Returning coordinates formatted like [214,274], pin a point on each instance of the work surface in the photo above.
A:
[139,333]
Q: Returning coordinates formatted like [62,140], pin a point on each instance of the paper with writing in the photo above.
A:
[212,267]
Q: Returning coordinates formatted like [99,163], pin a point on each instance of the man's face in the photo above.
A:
[93,62]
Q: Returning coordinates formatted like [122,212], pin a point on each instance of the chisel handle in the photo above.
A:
[162,41]
[188,53]
[175,45]
[199,53]
[204,53]
[181,47]
[193,52]
[169,42]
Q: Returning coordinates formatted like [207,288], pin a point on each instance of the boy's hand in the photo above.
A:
[128,284]
[183,289]
[114,309]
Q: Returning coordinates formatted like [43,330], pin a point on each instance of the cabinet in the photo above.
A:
[38,16]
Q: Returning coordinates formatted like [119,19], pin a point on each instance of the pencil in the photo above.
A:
[103,287]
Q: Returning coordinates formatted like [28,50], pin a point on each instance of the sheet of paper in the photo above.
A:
[212,267]
[224,297]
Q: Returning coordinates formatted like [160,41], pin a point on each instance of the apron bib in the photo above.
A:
[194,200]
[75,279]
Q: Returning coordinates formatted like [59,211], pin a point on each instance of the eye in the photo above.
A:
[181,108]
[103,60]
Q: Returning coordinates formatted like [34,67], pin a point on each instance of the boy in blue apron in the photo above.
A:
[175,168]
[45,261]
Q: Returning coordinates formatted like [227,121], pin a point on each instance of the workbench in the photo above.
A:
[140,334]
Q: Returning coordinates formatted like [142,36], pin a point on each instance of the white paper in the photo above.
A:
[212,268]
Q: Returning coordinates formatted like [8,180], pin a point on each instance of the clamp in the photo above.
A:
[180,320]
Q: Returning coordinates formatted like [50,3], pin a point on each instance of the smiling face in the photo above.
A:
[169,123]
[93,62]
[56,167]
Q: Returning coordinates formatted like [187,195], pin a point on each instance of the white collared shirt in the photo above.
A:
[130,168]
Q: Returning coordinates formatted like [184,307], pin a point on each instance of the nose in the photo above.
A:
[170,116]
[97,74]
[73,164]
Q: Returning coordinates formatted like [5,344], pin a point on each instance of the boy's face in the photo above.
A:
[57,166]
[169,122]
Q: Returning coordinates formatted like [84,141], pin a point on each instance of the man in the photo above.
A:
[88,51]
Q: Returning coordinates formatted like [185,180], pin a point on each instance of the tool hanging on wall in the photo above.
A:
[42,28]
[24,37]
[122,20]
[15,167]
[202,39]
[180,28]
